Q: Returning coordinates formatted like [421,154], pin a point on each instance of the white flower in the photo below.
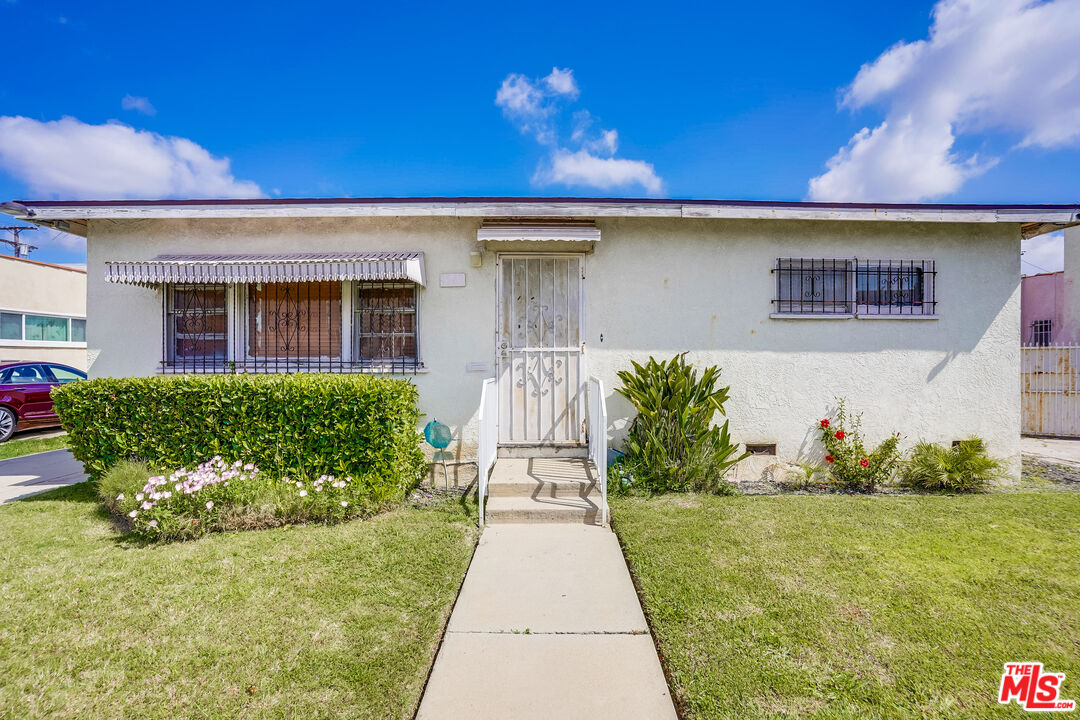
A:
[152,523]
[120,496]
[299,484]
[133,513]
[303,493]
[139,497]
[344,503]
[209,504]
[146,506]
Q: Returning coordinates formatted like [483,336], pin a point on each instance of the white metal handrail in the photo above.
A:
[598,438]
[488,445]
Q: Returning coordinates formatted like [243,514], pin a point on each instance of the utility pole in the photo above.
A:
[14,241]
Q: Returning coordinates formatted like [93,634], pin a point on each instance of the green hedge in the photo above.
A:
[301,425]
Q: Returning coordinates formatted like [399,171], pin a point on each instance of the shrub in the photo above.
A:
[218,496]
[672,444]
[850,465]
[297,425]
[965,467]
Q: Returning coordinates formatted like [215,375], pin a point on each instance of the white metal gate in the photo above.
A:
[1050,390]
[540,349]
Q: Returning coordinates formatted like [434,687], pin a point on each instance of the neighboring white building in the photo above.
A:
[909,312]
[42,312]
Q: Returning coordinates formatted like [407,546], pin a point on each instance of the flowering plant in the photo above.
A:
[850,465]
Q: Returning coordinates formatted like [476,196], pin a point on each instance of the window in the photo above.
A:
[10,326]
[26,327]
[852,287]
[64,374]
[291,327]
[385,325]
[196,326]
[1041,332]
[45,328]
[27,375]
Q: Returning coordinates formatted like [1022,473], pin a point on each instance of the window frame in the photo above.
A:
[23,342]
[1042,330]
[356,336]
[856,269]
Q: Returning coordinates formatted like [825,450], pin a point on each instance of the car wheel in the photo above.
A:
[7,424]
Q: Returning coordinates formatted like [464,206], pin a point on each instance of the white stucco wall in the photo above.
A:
[661,287]
[39,288]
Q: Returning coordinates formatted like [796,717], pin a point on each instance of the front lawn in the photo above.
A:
[307,621]
[18,447]
[856,607]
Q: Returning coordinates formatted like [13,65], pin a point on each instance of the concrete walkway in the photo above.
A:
[32,474]
[1060,451]
[547,625]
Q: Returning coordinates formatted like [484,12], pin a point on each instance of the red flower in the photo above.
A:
[830,458]
[864,462]
[825,422]
[839,434]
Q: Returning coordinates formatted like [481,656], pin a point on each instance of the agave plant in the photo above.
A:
[965,467]
[672,443]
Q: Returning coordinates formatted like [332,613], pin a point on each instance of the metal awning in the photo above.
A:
[538,233]
[288,267]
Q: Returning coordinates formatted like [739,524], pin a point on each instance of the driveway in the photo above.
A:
[1052,450]
[32,474]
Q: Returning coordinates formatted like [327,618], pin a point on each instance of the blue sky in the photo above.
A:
[717,100]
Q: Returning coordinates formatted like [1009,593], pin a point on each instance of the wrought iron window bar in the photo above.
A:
[361,327]
[850,286]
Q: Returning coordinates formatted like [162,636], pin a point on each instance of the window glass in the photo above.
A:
[10,326]
[806,286]
[65,374]
[78,330]
[28,374]
[45,328]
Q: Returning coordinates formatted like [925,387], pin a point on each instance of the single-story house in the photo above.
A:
[911,313]
[42,312]
[1050,301]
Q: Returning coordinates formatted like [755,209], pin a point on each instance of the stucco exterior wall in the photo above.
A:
[660,287]
[33,287]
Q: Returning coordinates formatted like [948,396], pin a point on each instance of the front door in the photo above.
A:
[540,349]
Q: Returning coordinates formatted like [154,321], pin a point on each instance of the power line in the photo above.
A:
[14,241]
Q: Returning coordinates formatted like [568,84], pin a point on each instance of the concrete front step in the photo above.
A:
[551,489]
[499,510]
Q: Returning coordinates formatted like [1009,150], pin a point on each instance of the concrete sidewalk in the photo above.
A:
[547,625]
[32,474]
[1060,451]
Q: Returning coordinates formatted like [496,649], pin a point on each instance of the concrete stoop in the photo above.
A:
[543,490]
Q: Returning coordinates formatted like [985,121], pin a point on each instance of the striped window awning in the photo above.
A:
[288,267]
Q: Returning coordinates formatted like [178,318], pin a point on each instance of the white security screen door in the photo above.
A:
[540,350]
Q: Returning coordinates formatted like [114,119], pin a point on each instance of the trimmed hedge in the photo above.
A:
[302,425]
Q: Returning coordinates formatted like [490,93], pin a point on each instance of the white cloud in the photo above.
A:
[536,108]
[997,65]
[138,104]
[76,161]
[562,82]
[582,168]
[1045,253]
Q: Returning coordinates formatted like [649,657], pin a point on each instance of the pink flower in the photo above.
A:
[209,504]
[133,513]
[152,523]
[120,496]
[303,493]
[146,506]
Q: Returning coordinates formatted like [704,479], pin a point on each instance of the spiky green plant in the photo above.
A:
[965,467]
[672,444]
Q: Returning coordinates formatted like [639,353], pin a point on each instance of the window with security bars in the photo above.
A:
[809,286]
[1041,332]
[385,325]
[291,327]
[196,334]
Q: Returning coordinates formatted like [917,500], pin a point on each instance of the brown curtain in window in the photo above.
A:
[294,320]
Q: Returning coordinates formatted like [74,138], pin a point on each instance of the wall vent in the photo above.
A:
[761,449]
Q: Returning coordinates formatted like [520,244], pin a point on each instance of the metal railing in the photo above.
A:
[598,438]
[488,445]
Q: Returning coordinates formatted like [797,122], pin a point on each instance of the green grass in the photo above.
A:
[856,607]
[27,446]
[309,621]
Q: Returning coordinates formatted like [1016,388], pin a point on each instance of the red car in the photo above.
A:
[25,401]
